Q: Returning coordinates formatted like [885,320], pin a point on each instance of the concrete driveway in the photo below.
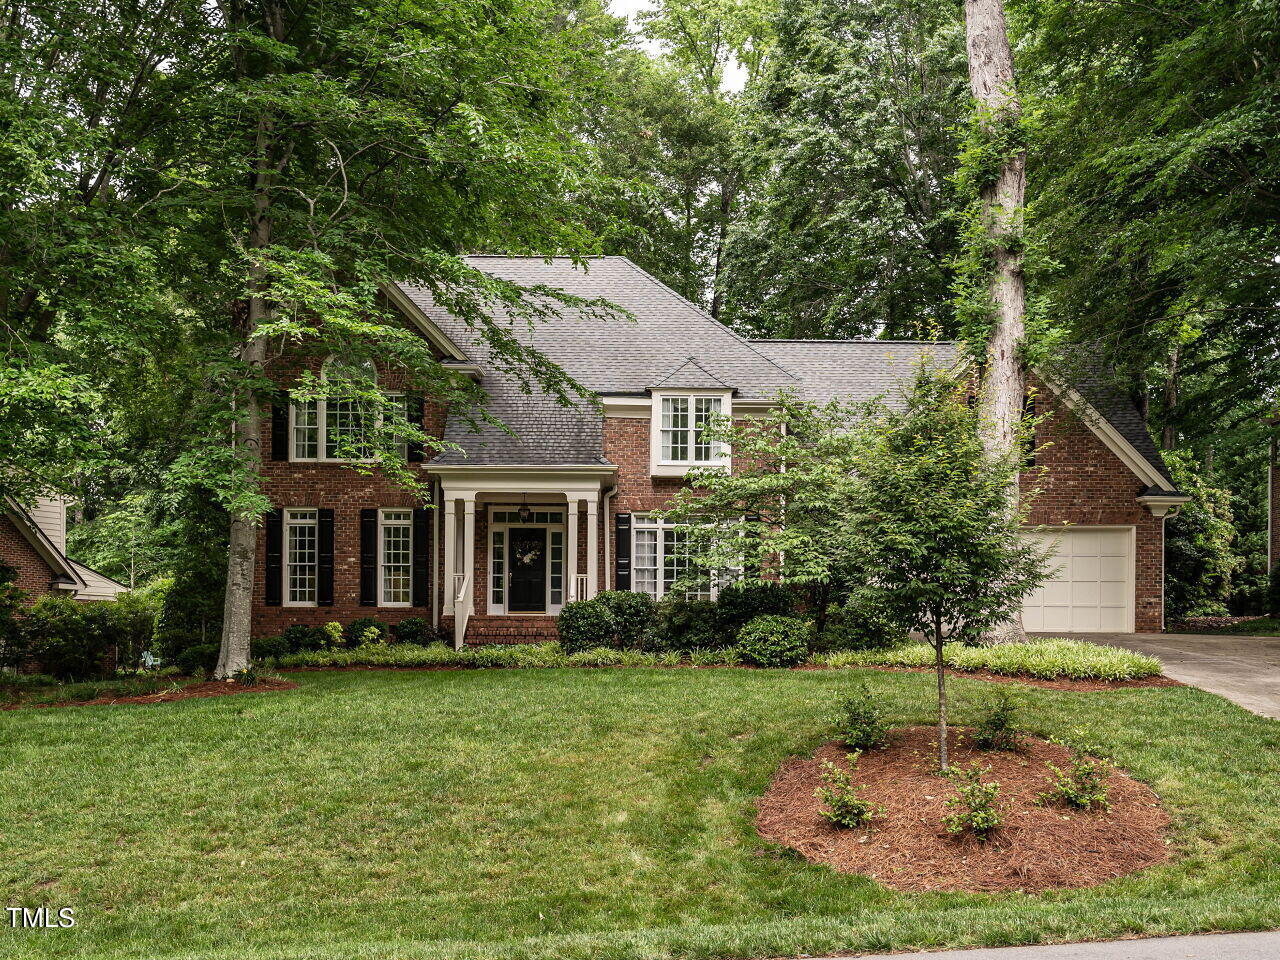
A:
[1245,670]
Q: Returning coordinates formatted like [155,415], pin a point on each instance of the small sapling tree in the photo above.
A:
[936,543]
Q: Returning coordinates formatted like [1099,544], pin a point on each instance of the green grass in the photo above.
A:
[40,689]
[566,814]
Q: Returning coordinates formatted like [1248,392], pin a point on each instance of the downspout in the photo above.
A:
[604,520]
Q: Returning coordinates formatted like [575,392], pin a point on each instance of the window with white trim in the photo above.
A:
[395,558]
[301,554]
[336,429]
[683,422]
[660,557]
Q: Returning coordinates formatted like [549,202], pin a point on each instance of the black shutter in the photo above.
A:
[416,410]
[274,571]
[421,558]
[622,552]
[324,558]
[369,558]
[280,428]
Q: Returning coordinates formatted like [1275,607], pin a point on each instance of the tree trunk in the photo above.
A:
[942,694]
[237,606]
[992,81]
[1168,432]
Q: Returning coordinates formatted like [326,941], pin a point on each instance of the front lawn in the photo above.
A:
[560,814]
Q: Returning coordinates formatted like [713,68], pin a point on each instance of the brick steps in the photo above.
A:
[484,629]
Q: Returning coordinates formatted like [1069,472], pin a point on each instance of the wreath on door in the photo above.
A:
[526,558]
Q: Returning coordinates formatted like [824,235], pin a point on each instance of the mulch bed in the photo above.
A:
[208,688]
[908,848]
[1077,685]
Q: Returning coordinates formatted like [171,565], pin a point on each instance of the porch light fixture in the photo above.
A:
[524,513]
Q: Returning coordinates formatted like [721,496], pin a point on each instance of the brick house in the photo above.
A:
[521,523]
[34,543]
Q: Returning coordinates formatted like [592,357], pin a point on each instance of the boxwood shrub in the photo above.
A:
[741,602]
[686,625]
[301,636]
[365,631]
[586,624]
[415,630]
[199,658]
[774,641]
[632,617]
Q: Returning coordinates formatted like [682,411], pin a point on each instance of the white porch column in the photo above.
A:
[450,550]
[469,542]
[593,547]
[571,549]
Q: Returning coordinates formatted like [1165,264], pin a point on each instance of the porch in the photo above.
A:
[516,545]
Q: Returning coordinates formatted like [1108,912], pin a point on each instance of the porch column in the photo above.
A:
[469,542]
[571,549]
[593,548]
[450,550]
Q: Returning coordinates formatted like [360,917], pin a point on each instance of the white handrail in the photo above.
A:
[462,604]
[580,586]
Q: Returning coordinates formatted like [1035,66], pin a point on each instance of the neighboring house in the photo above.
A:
[34,543]
[521,525]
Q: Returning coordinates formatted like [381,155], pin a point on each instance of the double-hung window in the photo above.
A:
[301,545]
[660,557]
[680,441]
[334,428]
[395,558]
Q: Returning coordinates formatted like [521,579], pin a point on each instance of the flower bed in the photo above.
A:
[1042,659]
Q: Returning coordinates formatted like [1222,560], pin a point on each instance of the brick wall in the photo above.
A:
[1084,484]
[340,488]
[34,574]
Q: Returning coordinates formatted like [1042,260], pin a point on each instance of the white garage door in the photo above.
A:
[1090,589]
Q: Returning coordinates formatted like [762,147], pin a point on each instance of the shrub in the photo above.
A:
[247,677]
[1083,786]
[301,636]
[774,642]
[69,638]
[740,603]
[365,631]
[995,729]
[632,616]
[270,648]
[415,630]
[332,634]
[585,625]
[197,659]
[976,804]
[728,657]
[684,624]
[846,807]
[861,726]
[860,625]
[13,645]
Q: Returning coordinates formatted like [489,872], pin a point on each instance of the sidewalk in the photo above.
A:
[1216,946]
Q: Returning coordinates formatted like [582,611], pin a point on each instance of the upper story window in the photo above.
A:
[679,439]
[335,428]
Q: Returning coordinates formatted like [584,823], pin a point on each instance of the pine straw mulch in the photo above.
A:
[207,688]
[1080,686]
[1038,847]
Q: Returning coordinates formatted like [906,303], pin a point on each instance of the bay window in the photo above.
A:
[660,557]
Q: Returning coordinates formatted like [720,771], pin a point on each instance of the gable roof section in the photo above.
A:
[690,375]
[63,569]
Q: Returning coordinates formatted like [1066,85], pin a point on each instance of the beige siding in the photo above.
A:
[50,515]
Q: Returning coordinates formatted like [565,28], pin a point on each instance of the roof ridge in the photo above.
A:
[867,340]
[710,319]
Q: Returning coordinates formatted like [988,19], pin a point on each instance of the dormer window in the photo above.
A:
[679,441]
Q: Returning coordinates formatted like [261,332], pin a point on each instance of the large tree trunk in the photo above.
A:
[942,694]
[991,79]
[1169,433]
[237,606]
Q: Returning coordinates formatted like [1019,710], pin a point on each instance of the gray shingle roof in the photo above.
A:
[672,343]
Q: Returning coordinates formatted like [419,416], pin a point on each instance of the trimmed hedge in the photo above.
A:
[773,641]
[584,624]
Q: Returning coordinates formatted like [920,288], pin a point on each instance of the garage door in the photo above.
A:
[1090,589]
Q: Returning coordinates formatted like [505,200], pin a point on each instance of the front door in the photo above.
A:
[527,570]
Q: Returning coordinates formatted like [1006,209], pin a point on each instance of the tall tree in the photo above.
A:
[261,169]
[848,228]
[999,167]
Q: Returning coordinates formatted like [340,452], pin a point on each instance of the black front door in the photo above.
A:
[527,570]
